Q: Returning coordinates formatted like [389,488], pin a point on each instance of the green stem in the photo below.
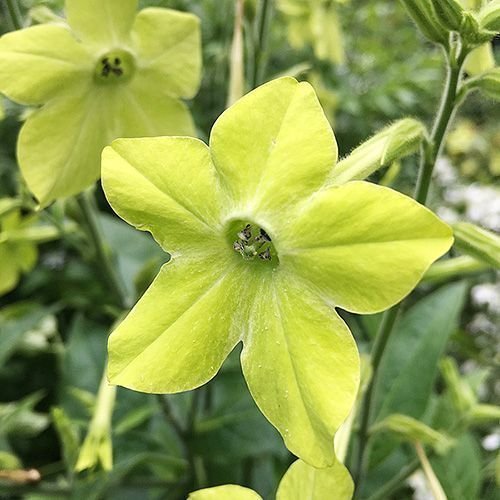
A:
[431,152]
[14,14]
[260,42]
[89,213]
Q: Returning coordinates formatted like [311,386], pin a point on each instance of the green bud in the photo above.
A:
[478,242]
[461,394]
[448,269]
[413,430]
[485,413]
[488,83]
[472,33]
[396,141]
[422,12]
[489,16]
[449,13]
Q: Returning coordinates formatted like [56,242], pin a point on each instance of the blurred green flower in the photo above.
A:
[18,243]
[262,252]
[110,73]
[315,22]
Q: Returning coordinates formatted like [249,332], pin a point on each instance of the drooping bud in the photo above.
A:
[446,270]
[413,430]
[449,13]
[396,141]
[422,12]
[478,242]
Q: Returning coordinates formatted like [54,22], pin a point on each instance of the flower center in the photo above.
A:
[115,66]
[252,242]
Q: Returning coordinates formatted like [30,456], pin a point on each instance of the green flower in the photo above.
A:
[18,243]
[262,252]
[110,73]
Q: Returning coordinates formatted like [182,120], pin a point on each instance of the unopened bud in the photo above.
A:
[449,13]
[422,12]
[478,242]
[472,33]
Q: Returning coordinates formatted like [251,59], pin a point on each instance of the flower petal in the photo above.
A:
[168,186]
[303,481]
[168,45]
[102,22]
[302,367]
[225,492]
[60,144]
[182,329]
[274,146]
[39,62]
[364,246]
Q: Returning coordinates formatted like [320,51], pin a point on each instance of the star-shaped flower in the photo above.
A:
[263,251]
[110,73]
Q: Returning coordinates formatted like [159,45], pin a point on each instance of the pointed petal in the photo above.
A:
[303,481]
[274,146]
[181,330]
[168,45]
[302,367]
[37,63]
[168,186]
[101,22]
[364,246]
[60,145]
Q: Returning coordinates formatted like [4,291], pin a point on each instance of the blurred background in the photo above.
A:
[369,66]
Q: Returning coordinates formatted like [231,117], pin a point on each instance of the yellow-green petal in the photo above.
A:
[301,366]
[302,481]
[168,46]
[365,247]
[273,147]
[168,186]
[226,492]
[106,23]
[60,145]
[38,63]
[181,330]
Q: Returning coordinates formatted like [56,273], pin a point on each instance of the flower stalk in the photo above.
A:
[14,14]
[430,153]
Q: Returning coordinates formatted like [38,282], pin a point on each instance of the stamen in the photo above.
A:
[253,242]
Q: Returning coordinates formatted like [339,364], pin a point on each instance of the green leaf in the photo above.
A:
[226,492]
[372,253]
[459,471]
[410,361]
[15,321]
[37,62]
[487,82]
[302,481]
[392,143]
[169,57]
[101,22]
[272,166]
[304,384]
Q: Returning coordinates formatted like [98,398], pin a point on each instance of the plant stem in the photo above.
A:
[260,42]
[14,14]
[428,160]
[434,484]
[103,260]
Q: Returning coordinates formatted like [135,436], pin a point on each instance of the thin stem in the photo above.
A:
[428,160]
[103,260]
[394,483]
[14,14]
[260,42]
[434,484]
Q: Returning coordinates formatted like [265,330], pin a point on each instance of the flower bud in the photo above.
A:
[472,33]
[413,430]
[400,139]
[478,242]
[489,16]
[449,13]
[422,12]
[485,413]
[461,394]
